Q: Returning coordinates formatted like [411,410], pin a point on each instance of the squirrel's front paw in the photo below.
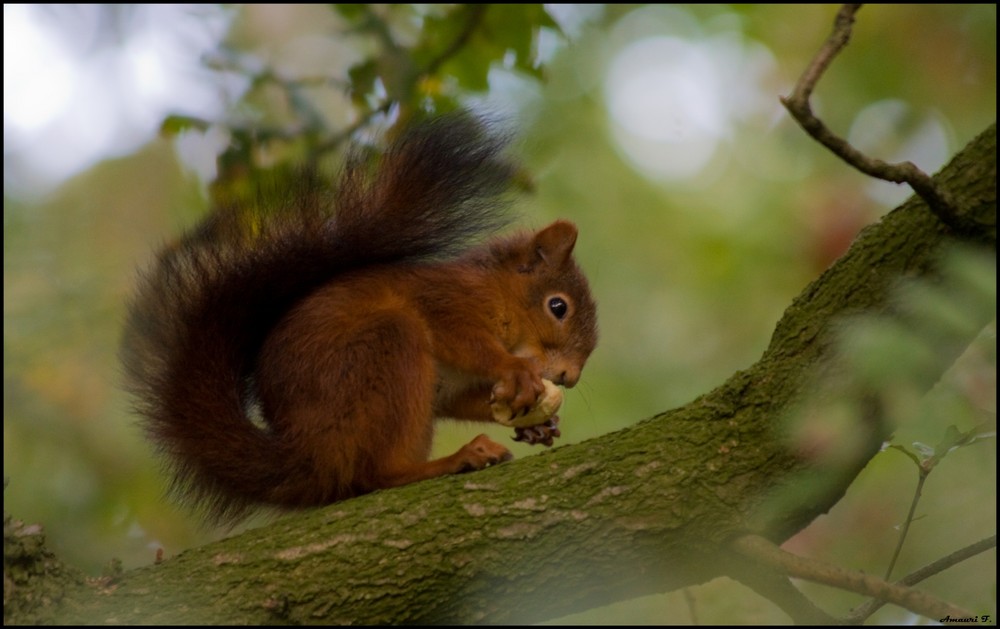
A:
[481,453]
[517,392]
[542,433]
[539,413]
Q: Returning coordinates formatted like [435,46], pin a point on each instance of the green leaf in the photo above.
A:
[468,41]
[176,124]
[515,27]
[952,440]
[350,11]
[362,82]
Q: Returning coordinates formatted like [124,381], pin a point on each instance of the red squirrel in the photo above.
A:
[299,355]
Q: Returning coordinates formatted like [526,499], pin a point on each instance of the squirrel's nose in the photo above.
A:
[568,378]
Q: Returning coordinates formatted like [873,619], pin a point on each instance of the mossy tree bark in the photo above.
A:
[646,509]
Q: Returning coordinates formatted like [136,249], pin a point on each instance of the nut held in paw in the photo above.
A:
[547,405]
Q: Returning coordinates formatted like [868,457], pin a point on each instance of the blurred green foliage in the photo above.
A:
[690,274]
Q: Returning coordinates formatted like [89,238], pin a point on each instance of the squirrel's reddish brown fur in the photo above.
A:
[298,356]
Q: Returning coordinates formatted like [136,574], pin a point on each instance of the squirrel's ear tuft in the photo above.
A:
[554,244]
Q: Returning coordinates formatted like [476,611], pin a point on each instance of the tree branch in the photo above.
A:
[769,554]
[921,479]
[860,614]
[777,588]
[936,197]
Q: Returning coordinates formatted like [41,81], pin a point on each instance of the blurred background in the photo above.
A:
[703,210]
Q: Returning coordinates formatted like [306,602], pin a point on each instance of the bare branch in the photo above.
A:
[778,588]
[859,615]
[928,605]
[905,172]
[909,519]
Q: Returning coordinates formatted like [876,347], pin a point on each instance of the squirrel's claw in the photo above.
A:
[542,433]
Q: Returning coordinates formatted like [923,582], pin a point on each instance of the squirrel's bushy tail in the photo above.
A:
[201,313]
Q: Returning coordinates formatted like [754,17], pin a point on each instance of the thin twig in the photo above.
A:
[928,605]
[475,16]
[776,587]
[345,135]
[905,172]
[861,613]
[906,523]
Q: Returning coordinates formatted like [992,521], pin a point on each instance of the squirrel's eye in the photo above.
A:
[558,307]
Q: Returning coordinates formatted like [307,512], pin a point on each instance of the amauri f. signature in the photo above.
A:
[969,619]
